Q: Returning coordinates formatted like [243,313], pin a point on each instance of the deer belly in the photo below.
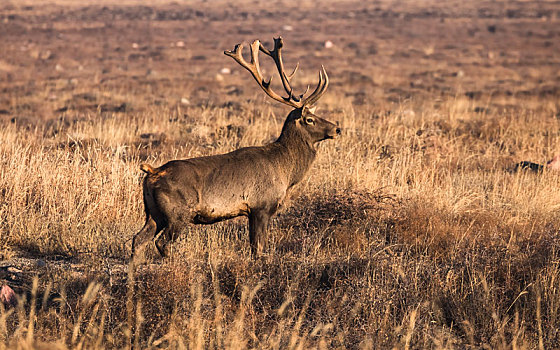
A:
[212,214]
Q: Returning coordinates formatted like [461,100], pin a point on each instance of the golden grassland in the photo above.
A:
[410,231]
[428,240]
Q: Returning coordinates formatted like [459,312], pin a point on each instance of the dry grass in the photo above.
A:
[410,231]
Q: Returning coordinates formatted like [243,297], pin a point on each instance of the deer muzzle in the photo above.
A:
[333,133]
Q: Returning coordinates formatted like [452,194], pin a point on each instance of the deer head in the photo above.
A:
[302,119]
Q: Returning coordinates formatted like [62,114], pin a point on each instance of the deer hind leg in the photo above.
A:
[169,234]
[144,236]
[176,221]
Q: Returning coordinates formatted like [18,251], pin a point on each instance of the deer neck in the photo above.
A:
[298,151]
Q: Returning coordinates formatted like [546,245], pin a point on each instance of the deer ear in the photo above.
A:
[312,109]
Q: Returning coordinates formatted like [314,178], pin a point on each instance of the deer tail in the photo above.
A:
[147,168]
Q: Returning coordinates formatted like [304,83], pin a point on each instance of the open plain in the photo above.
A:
[411,230]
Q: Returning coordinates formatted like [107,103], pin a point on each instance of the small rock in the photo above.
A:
[233,90]
[287,28]
[429,50]
[135,45]
[329,44]
[417,82]
[225,70]
[483,110]
[529,166]
[185,101]
[409,113]
[180,44]
[153,136]
[46,55]
[554,163]
[40,263]
[8,297]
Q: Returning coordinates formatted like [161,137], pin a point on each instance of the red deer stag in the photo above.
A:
[251,181]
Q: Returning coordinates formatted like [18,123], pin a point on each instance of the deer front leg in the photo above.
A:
[258,230]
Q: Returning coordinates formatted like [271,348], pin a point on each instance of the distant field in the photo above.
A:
[411,230]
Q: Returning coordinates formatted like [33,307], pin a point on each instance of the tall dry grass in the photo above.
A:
[410,231]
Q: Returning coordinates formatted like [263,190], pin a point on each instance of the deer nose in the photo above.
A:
[338,131]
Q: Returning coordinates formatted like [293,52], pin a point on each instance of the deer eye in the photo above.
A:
[309,120]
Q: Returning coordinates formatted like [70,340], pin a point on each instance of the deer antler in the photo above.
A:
[254,68]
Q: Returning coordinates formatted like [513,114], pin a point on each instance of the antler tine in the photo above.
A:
[306,91]
[319,90]
[290,76]
[254,68]
[276,55]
